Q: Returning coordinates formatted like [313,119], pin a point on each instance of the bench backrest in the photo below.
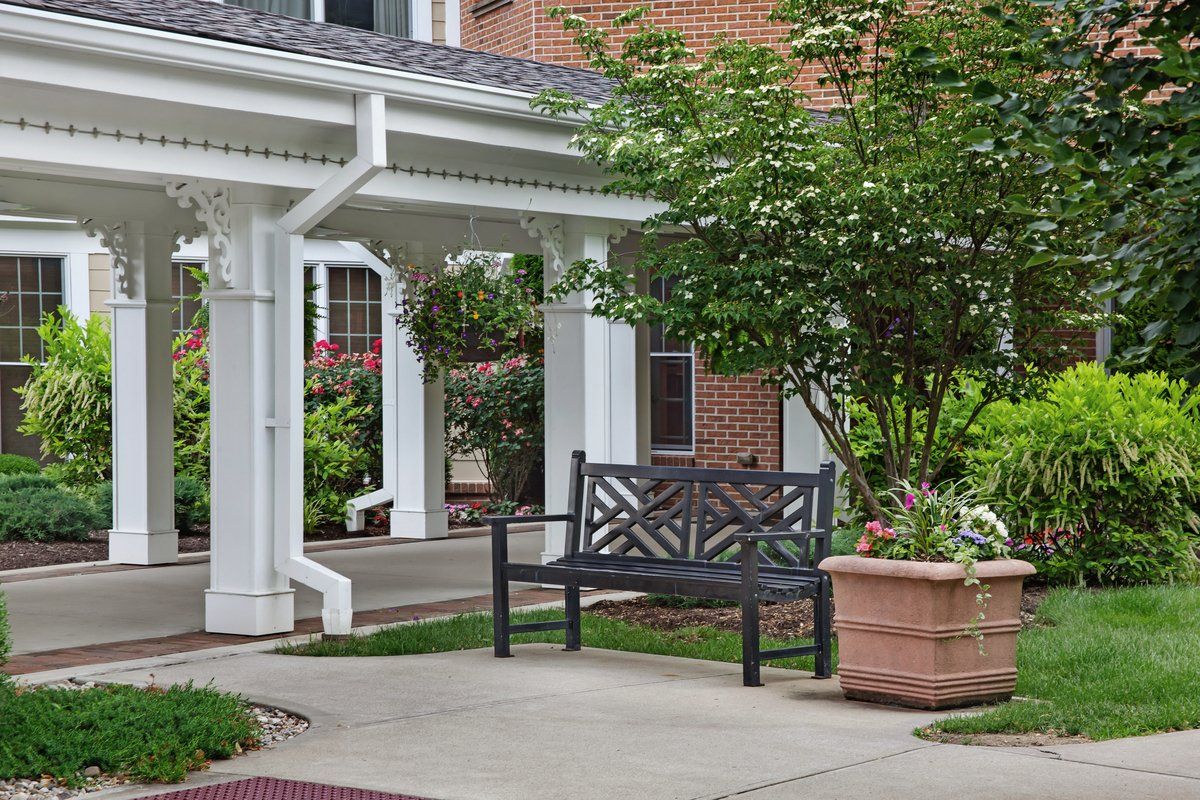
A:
[693,514]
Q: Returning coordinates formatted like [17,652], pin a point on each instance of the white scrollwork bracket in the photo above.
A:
[395,256]
[619,231]
[113,238]
[212,211]
[549,230]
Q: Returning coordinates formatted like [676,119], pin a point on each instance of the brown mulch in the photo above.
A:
[21,554]
[776,620]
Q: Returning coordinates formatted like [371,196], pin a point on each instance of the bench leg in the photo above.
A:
[574,620]
[822,627]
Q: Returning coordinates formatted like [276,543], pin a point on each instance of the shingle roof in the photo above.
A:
[210,20]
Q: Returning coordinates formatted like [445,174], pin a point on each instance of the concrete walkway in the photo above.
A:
[80,610]
[608,726]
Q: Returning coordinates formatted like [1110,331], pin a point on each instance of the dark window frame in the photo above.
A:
[664,352]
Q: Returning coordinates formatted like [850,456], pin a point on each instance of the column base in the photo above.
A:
[419,524]
[143,547]
[246,614]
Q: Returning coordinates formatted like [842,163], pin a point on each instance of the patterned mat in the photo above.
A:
[276,789]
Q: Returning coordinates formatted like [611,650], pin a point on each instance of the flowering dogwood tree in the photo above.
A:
[866,253]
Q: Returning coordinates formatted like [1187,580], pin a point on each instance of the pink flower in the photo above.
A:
[874,526]
[909,500]
[888,533]
[864,544]
[318,389]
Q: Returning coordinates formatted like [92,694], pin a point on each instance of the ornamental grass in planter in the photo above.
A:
[928,611]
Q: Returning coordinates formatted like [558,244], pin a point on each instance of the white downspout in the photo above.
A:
[370,158]
[356,508]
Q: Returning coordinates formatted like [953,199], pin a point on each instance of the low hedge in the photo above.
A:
[39,513]
[12,464]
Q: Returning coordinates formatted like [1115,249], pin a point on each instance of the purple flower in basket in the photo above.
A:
[972,536]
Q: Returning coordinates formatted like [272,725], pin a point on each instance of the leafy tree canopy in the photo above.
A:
[865,253]
[1125,138]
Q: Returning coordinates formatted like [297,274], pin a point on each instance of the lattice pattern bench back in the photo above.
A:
[688,513]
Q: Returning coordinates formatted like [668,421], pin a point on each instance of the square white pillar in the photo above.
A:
[247,594]
[143,526]
[591,378]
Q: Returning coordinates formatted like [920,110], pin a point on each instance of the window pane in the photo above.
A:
[383,16]
[289,8]
[671,402]
[29,288]
[184,290]
[355,308]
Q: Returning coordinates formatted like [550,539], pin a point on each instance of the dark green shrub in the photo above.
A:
[191,503]
[13,464]
[1099,482]
[25,480]
[39,514]
[151,734]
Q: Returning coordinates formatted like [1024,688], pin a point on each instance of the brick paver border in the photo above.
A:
[199,640]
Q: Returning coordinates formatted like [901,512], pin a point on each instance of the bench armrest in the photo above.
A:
[502,522]
[780,536]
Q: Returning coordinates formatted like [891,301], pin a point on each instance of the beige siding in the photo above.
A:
[99,282]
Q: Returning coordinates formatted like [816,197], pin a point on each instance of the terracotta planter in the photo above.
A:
[900,631]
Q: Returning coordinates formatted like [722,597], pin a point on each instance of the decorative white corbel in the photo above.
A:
[618,231]
[549,230]
[395,256]
[212,211]
[113,238]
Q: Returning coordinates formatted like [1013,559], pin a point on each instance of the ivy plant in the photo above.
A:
[868,253]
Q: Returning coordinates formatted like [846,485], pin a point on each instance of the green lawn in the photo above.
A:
[470,631]
[1121,662]
[152,735]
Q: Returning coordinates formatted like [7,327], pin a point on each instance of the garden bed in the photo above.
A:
[71,739]
[22,554]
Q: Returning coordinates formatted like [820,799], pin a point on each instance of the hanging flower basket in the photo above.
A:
[474,310]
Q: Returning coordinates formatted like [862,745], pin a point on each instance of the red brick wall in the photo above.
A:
[521,28]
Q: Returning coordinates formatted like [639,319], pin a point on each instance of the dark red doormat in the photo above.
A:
[275,789]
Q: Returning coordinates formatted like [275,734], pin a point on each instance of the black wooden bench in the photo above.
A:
[741,535]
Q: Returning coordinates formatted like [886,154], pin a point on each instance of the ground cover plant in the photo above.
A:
[1101,664]
[34,507]
[150,734]
[472,631]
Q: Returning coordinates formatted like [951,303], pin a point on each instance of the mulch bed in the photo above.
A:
[777,620]
[21,554]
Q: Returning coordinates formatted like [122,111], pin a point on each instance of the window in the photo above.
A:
[354,307]
[184,290]
[671,385]
[30,288]
[393,17]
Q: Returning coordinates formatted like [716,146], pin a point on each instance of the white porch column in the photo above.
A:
[247,594]
[414,433]
[143,526]
[591,368]
[803,445]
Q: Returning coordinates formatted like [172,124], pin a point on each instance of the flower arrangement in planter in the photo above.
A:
[931,582]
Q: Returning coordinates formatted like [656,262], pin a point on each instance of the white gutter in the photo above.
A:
[370,157]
